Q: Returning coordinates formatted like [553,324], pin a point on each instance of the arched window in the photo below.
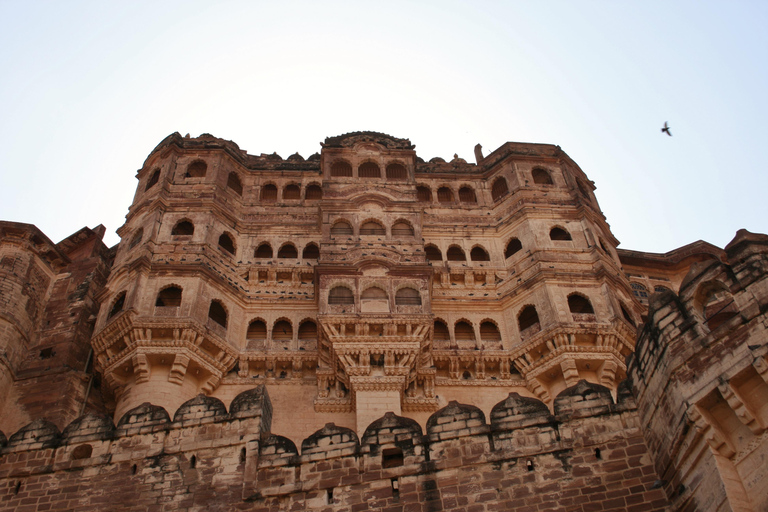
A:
[226,243]
[658,288]
[528,319]
[268,193]
[582,189]
[288,251]
[513,246]
[396,172]
[408,297]
[282,331]
[263,251]
[152,181]
[169,297]
[372,228]
[310,252]
[341,169]
[499,189]
[456,254]
[234,183]
[444,195]
[341,295]
[467,195]
[217,313]
[83,451]
[580,305]
[341,228]
[479,254]
[559,234]
[489,331]
[541,177]
[183,228]
[402,228]
[369,170]
[441,331]
[196,169]
[313,193]
[627,316]
[373,293]
[640,291]
[308,330]
[118,305]
[292,191]
[423,194]
[463,331]
[257,330]
[433,253]
[136,240]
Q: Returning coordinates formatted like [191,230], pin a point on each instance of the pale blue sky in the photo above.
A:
[87,89]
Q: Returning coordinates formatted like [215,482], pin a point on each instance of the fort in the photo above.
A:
[366,330]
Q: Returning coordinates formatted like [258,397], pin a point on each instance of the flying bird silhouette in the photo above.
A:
[666,129]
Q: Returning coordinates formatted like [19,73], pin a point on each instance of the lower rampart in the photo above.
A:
[589,455]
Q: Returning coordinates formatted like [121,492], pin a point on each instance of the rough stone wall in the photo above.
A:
[589,455]
[701,377]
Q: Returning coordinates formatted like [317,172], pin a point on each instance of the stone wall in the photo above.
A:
[588,455]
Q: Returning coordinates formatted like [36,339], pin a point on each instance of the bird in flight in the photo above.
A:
[666,129]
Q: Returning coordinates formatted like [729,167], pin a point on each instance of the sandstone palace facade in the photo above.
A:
[366,330]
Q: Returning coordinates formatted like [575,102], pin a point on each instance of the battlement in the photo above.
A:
[592,444]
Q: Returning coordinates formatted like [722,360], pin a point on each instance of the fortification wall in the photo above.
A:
[589,455]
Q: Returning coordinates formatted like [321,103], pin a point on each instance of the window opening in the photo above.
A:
[341,228]
[369,170]
[408,297]
[423,194]
[580,305]
[456,254]
[268,193]
[118,305]
[234,183]
[311,252]
[433,253]
[444,195]
[225,242]
[513,246]
[313,193]
[372,228]
[341,295]
[542,177]
[392,458]
[169,297]
[396,172]
[153,180]
[197,169]
[467,195]
[292,192]
[499,189]
[341,169]
[217,313]
[183,228]
[257,330]
[559,234]
[478,254]
[287,251]
[263,251]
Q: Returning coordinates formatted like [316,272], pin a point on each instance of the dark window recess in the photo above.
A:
[579,304]
[559,234]
[287,251]
[153,180]
[263,251]
[311,252]
[372,228]
[292,192]
[196,169]
[313,193]
[499,189]
[368,170]
[118,305]
[257,330]
[513,246]
[423,194]
[225,242]
[396,172]
[541,177]
[392,458]
[433,253]
[528,317]
[234,184]
[341,170]
[341,295]
[341,228]
[408,297]
[83,451]
[479,254]
[217,313]
[467,195]
[169,297]
[183,228]
[268,194]
[47,353]
[444,195]
[456,254]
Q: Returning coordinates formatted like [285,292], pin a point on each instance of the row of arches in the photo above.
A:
[401,228]
[342,295]
[341,168]
[478,253]
[394,171]
[464,331]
